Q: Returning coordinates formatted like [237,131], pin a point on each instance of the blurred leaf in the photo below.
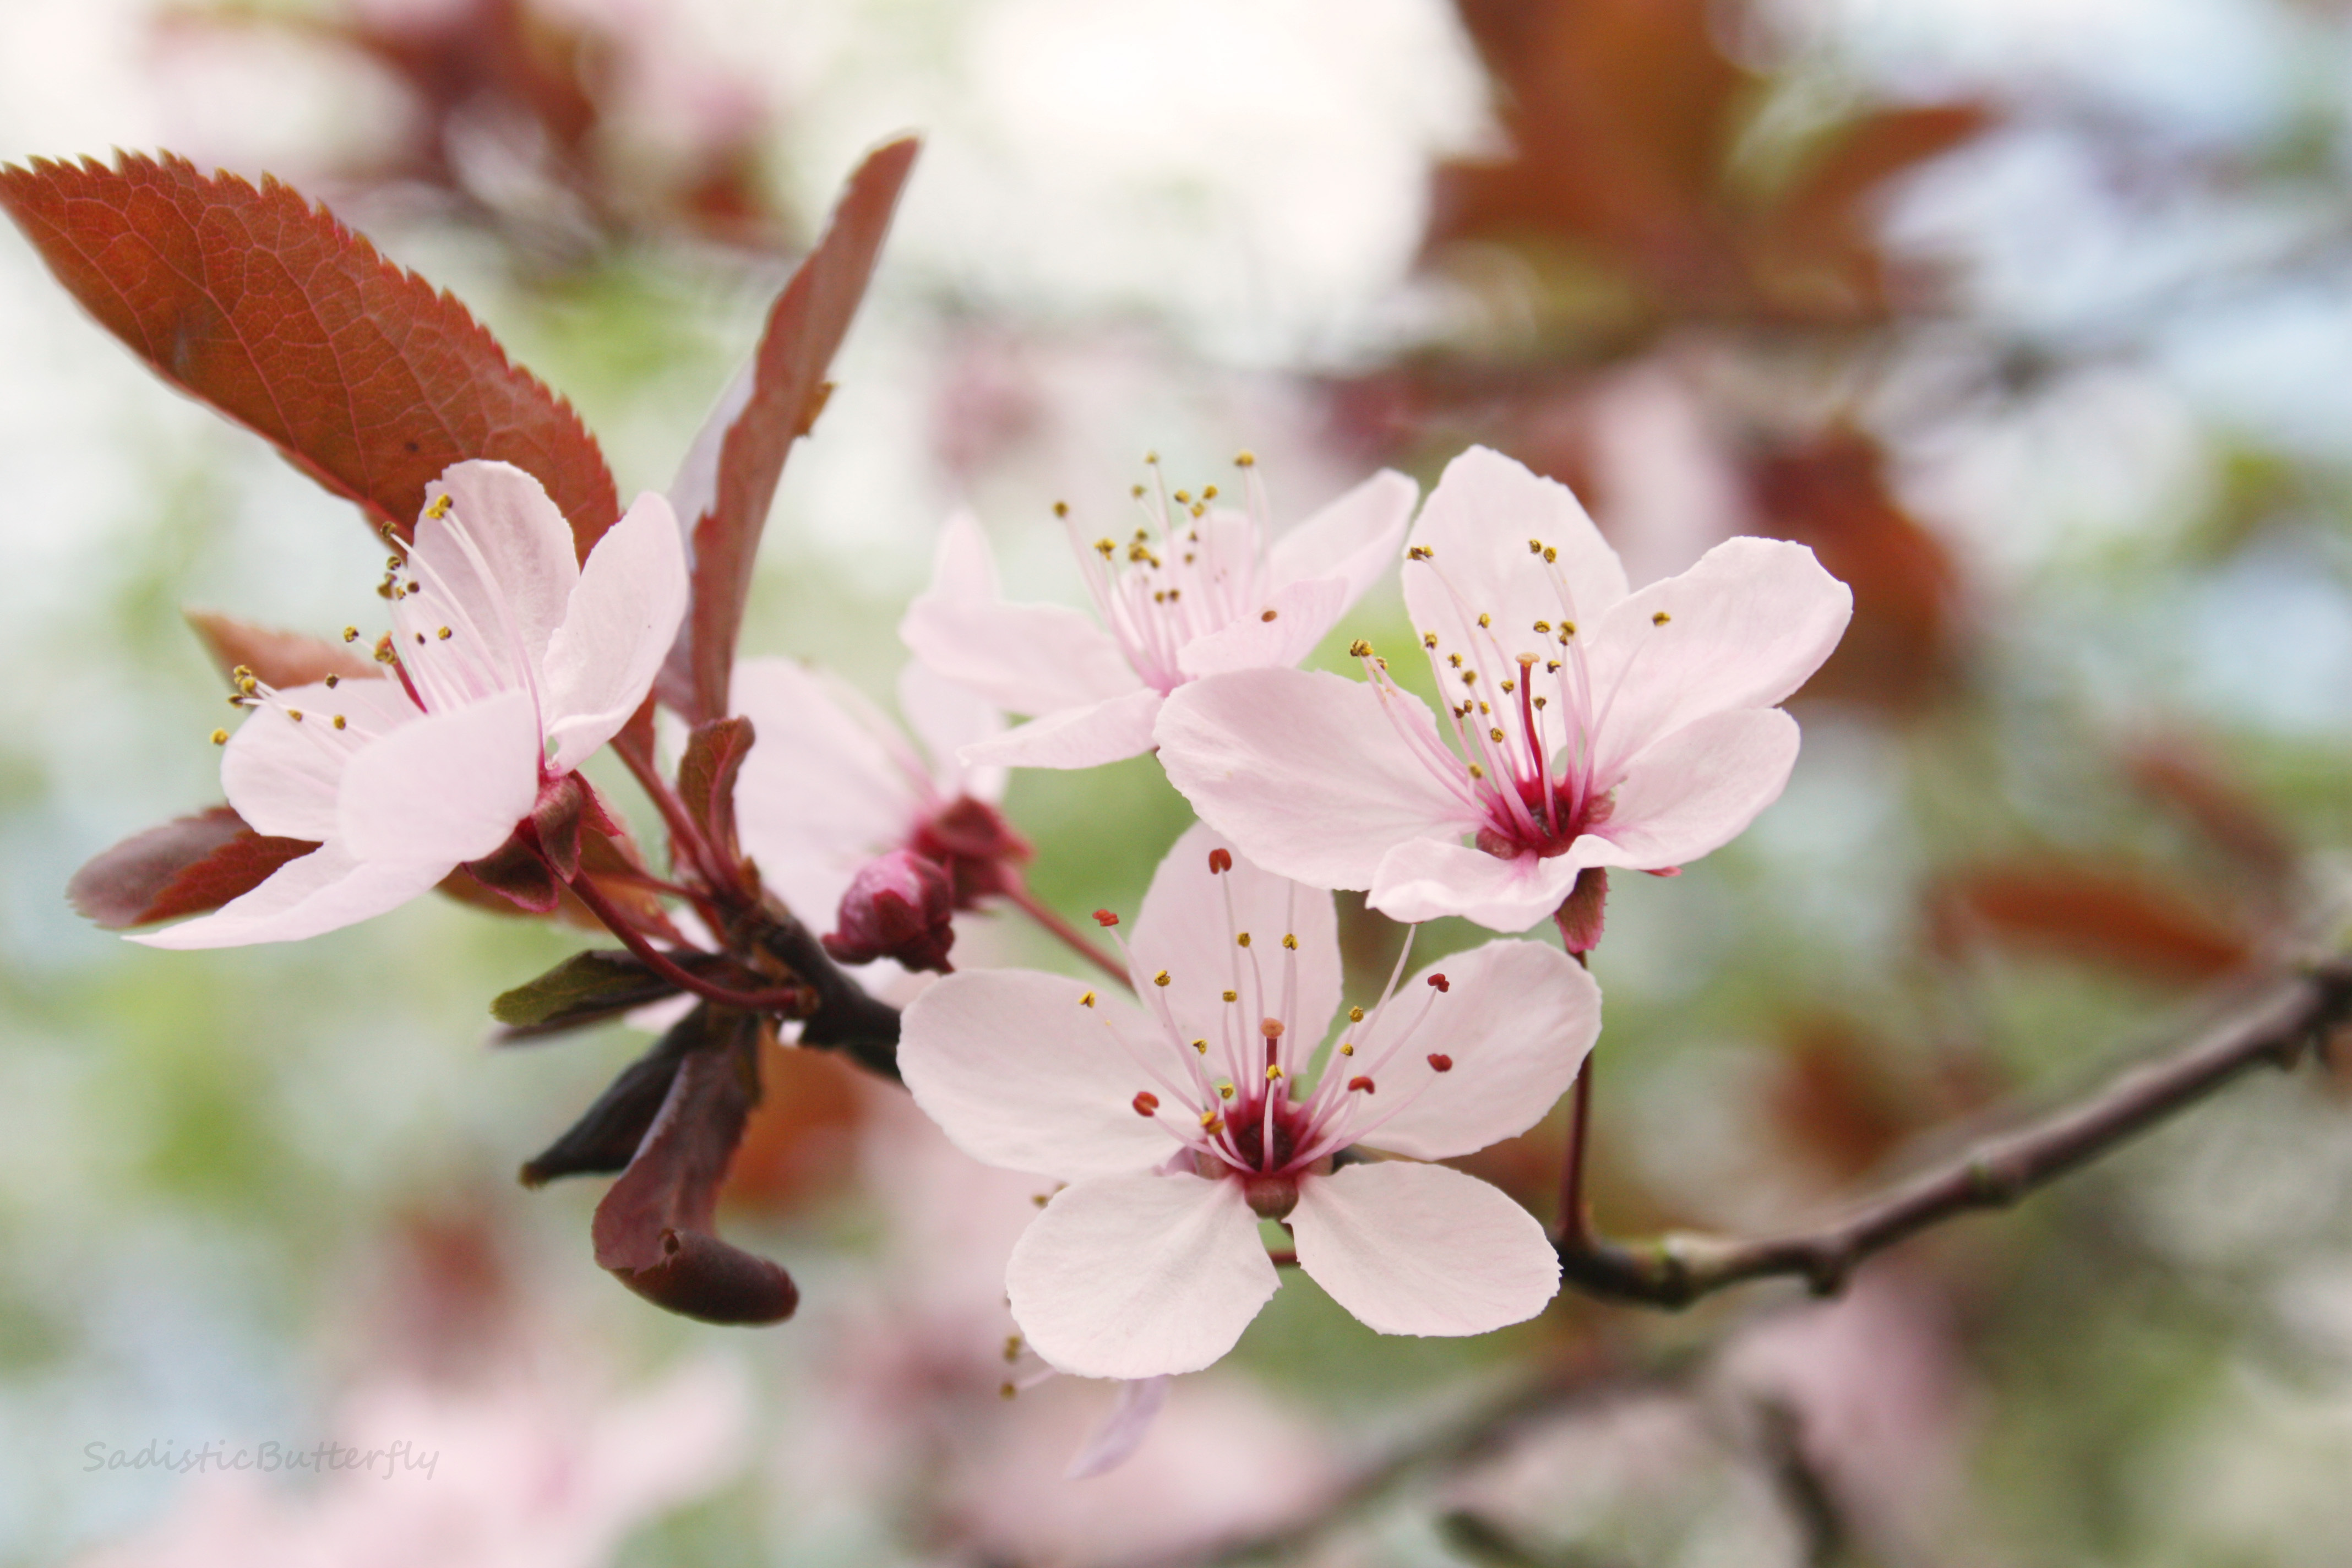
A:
[729,479]
[800,1143]
[265,308]
[605,1138]
[652,1230]
[706,779]
[186,867]
[2100,912]
[585,986]
[278,659]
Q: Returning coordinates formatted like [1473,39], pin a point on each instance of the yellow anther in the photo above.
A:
[1202,1046]
[1243,939]
[1540,701]
[1208,492]
[1135,491]
[220,737]
[295,714]
[1429,639]
[1245,459]
[1550,555]
[1160,978]
[1551,667]
[392,563]
[1087,1000]
[1493,734]
[1212,1123]
[1477,772]
[1360,649]
[1543,626]
[1061,509]
[1007,1390]
[1454,660]
[339,720]
[1224,1091]
[1355,1014]
[334,681]
[1469,677]
[443,633]
[1290,941]
[1535,547]
[1509,687]
[350,633]
[1153,457]
[1013,1347]
[249,685]
[1183,498]
[1232,995]
[1660,618]
[1274,1072]
[1419,553]
[1200,509]
[439,508]
[1486,620]
[1566,630]
[1103,547]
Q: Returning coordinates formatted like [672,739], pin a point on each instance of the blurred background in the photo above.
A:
[2033,320]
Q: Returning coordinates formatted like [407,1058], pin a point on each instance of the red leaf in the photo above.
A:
[729,479]
[186,867]
[279,659]
[265,308]
[706,779]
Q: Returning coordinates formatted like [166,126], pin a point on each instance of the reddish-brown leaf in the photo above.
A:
[729,478]
[279,659]
[652,1230]
[186,867]
[2100,912]
[265,308]
[706,779]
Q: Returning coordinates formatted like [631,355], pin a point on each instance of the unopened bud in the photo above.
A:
[898,906]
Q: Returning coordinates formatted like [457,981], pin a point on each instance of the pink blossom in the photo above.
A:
[1179,1124]
[831,782]
[515,662]
[1196,591]
[1586,726]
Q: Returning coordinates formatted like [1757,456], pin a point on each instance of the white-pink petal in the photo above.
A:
[500,523]
[945,718]
[1355,539]
[1695,791]
[1424,879]
[1516,1022]
[1086,736]
[1028,658]
[1115,1441]
[1422,1249]
[1139,1274]
[1744,627]
[618,624]
[1310,770]
[1181,930]
[1020,1075]
[824,789]
[1294,619]
[1477,525]
[282,773]
[322,891]
[445,789]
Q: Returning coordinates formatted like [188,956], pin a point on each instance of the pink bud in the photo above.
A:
[898,906]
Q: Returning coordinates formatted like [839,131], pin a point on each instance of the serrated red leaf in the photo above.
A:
[729,479]
[264,307]
[186,867]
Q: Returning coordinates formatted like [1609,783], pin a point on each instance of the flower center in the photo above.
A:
[1190,569]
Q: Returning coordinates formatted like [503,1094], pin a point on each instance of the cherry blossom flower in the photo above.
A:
[514,663]
[1197,590]
[1589,726]
[831,782]
[1180,1123]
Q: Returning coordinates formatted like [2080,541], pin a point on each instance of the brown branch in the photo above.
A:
[2271,1022]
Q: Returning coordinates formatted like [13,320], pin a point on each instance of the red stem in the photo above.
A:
[1022,899]
[1574,1226]
[661,963]
[682,826]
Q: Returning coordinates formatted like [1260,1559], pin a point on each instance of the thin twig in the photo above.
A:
[790,1002]
[2274,1023]
[1019,896]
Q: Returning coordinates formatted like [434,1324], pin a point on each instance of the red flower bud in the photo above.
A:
[898,906]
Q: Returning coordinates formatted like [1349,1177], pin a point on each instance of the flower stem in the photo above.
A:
[683,828]
[789,1000]
[1027,903]
[1575,1229]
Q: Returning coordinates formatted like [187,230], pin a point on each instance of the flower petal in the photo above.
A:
[1743,629]
[1139,1275]
[322,891]
[1420,1249]
[517,577]
[1695,791]
[445,789]
[1424,879]
[1108,731]
[1477,526]
[1182,929]
[1295,619]
[1019,1074]
[1029,659]
[1517,1020]
[618,625]
[1356,538]
[946,718]
[1307,772]
[1122,1432]
[826,787]
[282,774]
